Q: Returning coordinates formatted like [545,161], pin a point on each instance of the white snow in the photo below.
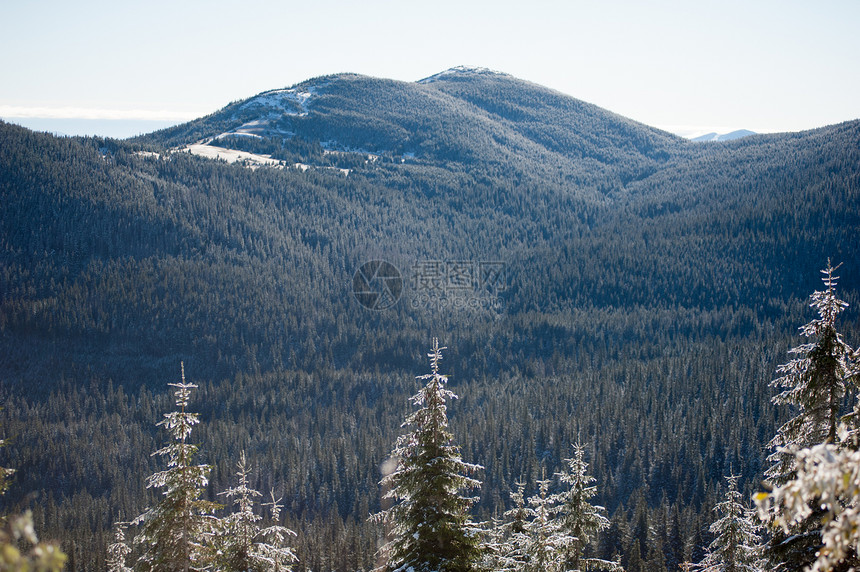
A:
[292,101]
[251,160]
[461,70]
[230,155]
[304,167]
[238,133]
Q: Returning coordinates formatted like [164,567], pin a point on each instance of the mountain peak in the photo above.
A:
[462,71]
[290,101]
[355,113]
[724,136]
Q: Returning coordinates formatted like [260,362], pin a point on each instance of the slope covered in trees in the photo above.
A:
[644,291]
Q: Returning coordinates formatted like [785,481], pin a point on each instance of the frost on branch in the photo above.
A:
[814,383]
[827,477]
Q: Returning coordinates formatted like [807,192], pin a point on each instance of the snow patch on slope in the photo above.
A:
[230,155]
[293,101]
[251,160]
[460,71]
[269,108]
[724,136]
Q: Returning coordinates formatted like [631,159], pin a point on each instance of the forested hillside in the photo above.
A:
[595,280]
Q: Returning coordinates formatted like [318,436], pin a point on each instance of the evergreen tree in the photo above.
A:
[119,550]
[505,549]
[546,544]
[241,544]
[173,531]
[815,385]
[578,517]
[737,545]
[431,528]
[828,481]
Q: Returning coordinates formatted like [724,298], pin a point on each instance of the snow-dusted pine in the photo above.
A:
[737,544]
[545,544]
[172,532]
[506,542]
[240,543]
[578,518]
[814,385]
[431,530]
[119,550]
[828,476]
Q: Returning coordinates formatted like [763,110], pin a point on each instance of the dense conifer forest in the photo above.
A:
[596,282]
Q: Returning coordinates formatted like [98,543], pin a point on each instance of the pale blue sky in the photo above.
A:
[685,66]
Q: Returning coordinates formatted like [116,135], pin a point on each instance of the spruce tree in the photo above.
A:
[173,531]
[431,528]
[814,385]
[505,549]
[579,519]
[119,550]
[546,544]
[737,546]
[241,544]
[828,481]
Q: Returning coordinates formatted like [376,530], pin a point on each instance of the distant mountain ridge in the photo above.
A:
[724,136]
[424,119]
[468,116]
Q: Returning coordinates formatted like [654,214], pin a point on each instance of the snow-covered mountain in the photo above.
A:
[467,115]
[462,71]
[724,136]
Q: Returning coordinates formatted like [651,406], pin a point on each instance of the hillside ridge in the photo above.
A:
[595,280]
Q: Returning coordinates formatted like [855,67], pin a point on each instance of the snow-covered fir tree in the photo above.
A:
[504,549]
[172,532]
[545,544]
[275,550]
[119,550]
[431,530]
[737,544]
[240,543]
[578,518]
[828,478]
[814,384]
